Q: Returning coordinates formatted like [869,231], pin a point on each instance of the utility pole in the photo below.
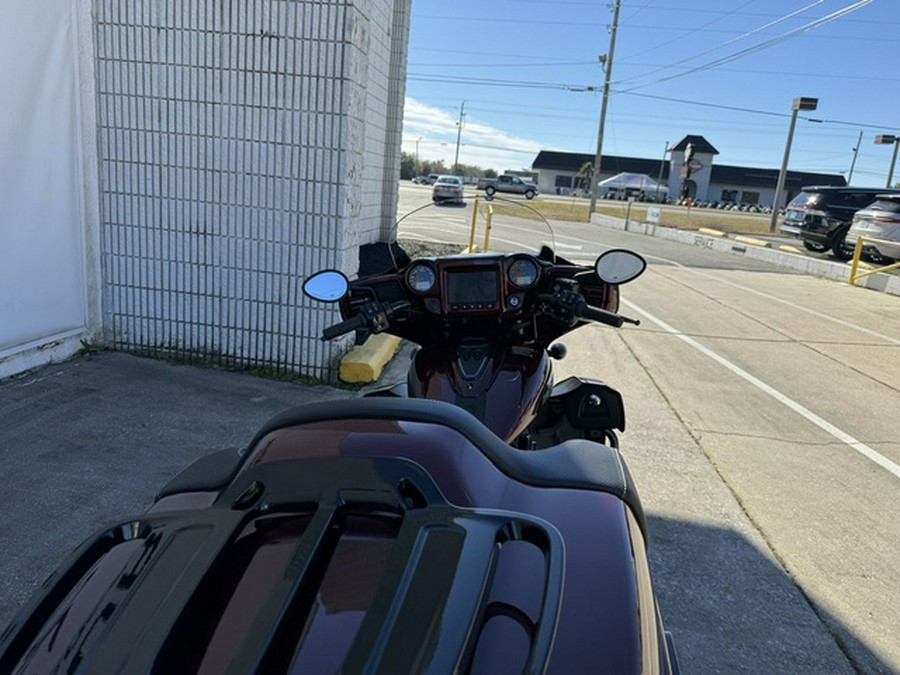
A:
[607,61]
[462,114]
[662,165]
[855,153]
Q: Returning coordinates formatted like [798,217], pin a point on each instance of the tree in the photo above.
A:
[407,165]
[585,175]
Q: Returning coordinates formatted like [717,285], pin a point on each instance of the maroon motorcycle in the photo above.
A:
[476,518]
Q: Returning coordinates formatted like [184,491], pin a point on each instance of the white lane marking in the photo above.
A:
[773,298]
[826,426]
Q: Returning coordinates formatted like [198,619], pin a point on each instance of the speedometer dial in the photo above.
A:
[523,273]
[421,278]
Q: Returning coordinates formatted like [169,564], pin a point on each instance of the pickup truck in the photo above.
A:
[512,184]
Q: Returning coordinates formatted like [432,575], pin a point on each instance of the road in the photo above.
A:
[764,436]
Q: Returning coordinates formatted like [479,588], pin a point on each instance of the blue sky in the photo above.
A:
[725,69]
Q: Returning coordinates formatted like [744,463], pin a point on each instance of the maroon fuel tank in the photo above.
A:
[500,386]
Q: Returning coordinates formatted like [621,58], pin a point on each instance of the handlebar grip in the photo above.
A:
[345,326]
[585,311]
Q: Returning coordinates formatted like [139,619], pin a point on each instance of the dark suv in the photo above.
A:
[821,216]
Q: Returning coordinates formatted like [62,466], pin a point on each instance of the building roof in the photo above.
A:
[700,144]
[739,176]
[613,164]
[767,178]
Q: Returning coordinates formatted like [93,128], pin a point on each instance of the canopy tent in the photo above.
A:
[630,181]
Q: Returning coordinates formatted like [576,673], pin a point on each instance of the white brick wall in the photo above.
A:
[242,146]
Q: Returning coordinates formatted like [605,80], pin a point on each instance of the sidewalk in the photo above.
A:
[92,439]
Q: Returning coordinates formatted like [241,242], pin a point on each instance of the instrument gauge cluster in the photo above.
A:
[523,273]
[474,286]
[421,277]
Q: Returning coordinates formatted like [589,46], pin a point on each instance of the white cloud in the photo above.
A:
[480,144]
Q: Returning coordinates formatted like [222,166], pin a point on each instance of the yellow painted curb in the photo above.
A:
[711,232]
[753,241]
[787,248]
[365,362]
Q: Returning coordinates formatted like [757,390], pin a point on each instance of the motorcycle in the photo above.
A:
[476,518]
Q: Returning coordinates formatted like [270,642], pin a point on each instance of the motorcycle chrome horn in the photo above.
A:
[619,266]
[326,286]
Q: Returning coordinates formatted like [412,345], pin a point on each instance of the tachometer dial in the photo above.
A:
[420,278]
[523,273]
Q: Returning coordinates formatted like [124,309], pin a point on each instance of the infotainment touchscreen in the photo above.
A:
[467,287]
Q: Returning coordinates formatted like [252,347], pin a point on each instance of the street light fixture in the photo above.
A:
[802,103]
[887,139]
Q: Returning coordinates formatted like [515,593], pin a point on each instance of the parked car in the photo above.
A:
[881,221]
[821,216]
[511,184]
[447,189]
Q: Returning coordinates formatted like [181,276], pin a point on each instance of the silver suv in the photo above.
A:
[821,216]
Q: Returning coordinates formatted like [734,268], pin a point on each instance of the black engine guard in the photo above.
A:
[579,407]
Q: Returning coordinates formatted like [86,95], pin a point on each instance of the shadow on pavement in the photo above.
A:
[733,609]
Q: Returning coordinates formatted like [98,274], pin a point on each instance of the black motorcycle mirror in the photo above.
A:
[619,266]
[326,286]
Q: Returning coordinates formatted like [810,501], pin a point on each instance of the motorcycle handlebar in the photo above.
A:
[585,311]
[345,326]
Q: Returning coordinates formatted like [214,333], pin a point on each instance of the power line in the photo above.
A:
[731,41]
[681,36]
[448,79]
[770,113]
[630,92]
[762,45]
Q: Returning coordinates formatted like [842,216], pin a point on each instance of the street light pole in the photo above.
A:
[799,104]
[417,154]
[608,61]
[855,155]
[887,139]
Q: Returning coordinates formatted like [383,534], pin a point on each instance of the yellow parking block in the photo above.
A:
[365,362]
[753,241]
[787,248]
[711,232]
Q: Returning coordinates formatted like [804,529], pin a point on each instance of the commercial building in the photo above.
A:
[562,172]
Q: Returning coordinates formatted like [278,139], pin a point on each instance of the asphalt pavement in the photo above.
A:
[91,440]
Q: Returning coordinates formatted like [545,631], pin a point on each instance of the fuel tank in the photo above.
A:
[503,387]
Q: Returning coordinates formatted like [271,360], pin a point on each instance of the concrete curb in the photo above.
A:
[886,283]
[365,362]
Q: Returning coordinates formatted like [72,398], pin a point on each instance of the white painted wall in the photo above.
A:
[243,146]
[48,290]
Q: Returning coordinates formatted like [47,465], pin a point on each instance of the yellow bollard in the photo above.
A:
[487,227]
[472,231]
[857,252]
